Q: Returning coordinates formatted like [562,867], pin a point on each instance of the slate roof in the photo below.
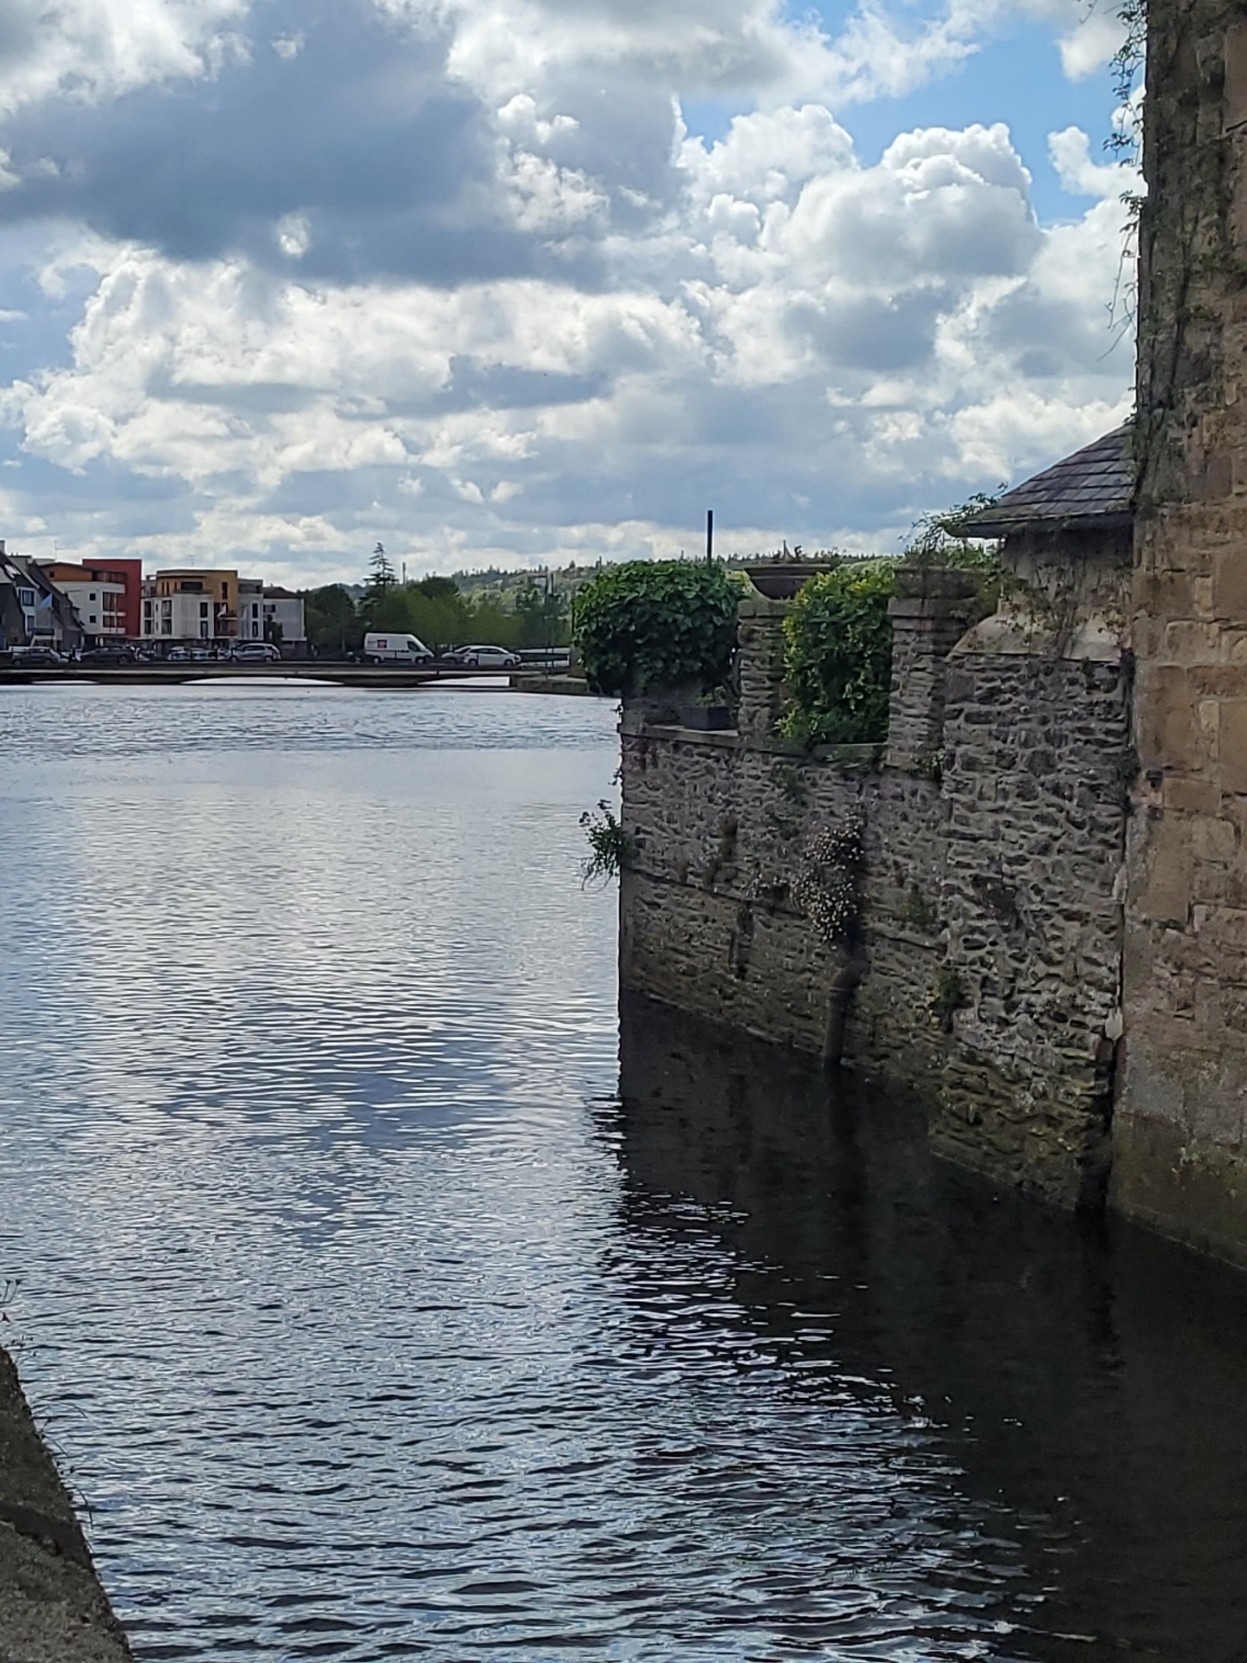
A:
[1093,487]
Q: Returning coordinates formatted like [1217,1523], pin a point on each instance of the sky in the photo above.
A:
[517,282]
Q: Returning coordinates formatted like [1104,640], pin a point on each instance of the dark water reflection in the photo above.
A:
[375,1322]
[1042,1424]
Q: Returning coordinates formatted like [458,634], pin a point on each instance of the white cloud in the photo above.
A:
[293,235]
[820,346]
[101,49]
[1070,150]
[840,333]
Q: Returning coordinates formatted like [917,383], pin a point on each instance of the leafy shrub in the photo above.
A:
[611,849]
[650,624]
[940,540]
[838,656]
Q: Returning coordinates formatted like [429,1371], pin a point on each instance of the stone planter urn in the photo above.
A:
[780,578]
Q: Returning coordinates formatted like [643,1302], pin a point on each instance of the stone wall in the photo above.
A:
[1181,1131]
[1031,904]
[984,966]
[52,1607]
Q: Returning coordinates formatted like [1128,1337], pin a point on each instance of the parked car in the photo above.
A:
[394,647]
[485,658]
[177,655]
[255,652]
[39,658]
[103,656]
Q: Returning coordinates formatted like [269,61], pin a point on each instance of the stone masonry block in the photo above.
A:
[1230,585]
[1232,743]
[1168,871]
[1191,796]
[1213,839]
[1167,729]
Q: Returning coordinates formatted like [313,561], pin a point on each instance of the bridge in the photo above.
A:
[312,670]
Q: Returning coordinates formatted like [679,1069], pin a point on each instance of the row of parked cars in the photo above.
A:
[48,658]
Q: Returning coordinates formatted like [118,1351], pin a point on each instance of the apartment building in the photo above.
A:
[217,606]
[184,604]
[250,609]
[97,594]
[283,617]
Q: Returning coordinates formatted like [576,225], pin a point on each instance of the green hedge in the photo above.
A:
[838,656]
[647,625]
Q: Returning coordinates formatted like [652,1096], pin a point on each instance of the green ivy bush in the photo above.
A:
[838,656]
[653,624]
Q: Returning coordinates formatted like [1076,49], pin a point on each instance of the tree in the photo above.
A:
[382,581]
[440,620]
[541,611]
[488,621]
[333,625]
[438,588]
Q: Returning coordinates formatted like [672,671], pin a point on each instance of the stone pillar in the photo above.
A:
[930,612]
[1180,1129]
[761,639]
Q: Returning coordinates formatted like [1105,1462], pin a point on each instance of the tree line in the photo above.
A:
[435,610]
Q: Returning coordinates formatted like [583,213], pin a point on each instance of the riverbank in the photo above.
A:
[577,685]
[52,1607]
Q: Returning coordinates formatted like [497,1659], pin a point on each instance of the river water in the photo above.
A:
[387,1296]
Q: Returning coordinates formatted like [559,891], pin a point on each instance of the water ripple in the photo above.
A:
[373,1323]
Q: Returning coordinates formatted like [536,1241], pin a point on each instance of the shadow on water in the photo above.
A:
[1082,1389]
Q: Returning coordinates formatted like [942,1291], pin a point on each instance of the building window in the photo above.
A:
[93,619]
[90,597]
[203,609]
[203,629]
[25,597]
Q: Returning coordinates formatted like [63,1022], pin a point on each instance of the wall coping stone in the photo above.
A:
[866,758]
[929,583]
[715,739]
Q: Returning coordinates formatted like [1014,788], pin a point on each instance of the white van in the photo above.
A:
[397,648]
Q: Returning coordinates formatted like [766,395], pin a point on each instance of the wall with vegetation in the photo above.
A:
[943,908]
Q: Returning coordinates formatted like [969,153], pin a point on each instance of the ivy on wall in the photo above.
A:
[648,625]
[838,656]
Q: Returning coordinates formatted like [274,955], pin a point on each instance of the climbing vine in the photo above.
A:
[838,656]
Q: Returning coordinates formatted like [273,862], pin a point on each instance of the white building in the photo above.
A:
[250,609]
[184,605]
[283,611]
[96,595]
